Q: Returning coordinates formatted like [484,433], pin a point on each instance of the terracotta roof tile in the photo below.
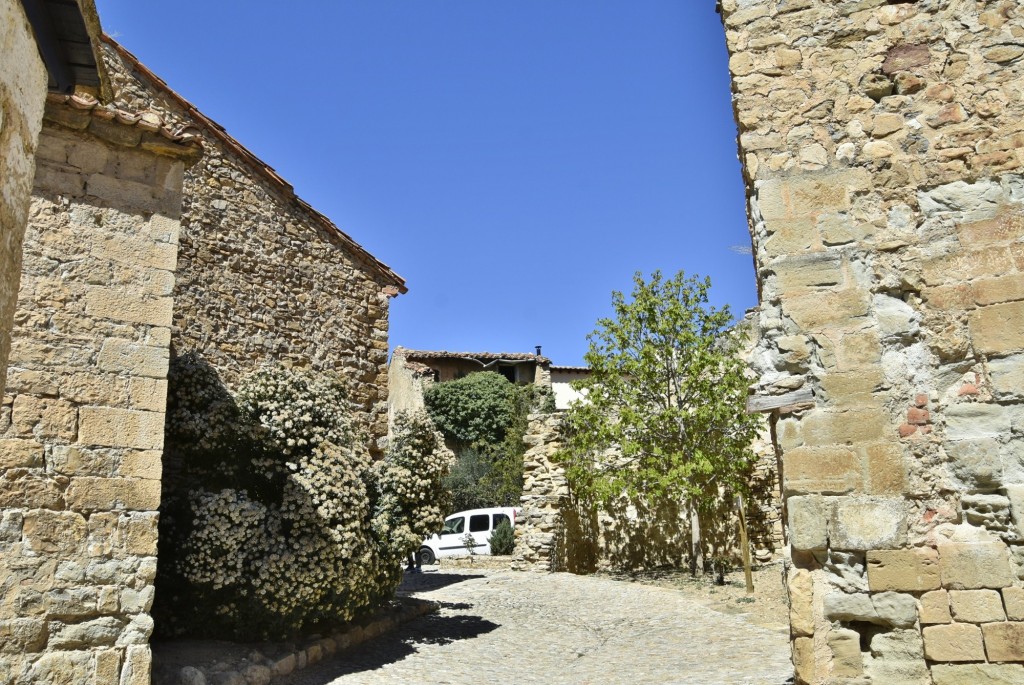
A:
[84,107]
[413,355]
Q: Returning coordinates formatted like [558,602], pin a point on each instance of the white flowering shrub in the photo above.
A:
[412,500]
[280,523]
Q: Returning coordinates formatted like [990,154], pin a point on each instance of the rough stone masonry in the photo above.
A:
[882,146]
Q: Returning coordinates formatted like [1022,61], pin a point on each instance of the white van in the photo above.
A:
[480,523]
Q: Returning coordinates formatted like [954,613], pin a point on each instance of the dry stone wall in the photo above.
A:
[22,94]
[261,275]
[556,532]
[882,146]
[81,427]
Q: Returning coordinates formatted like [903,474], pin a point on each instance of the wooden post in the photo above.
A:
[745,545]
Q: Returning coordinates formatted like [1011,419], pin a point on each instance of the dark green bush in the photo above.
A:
[503,539]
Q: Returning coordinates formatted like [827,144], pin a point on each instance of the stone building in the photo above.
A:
[261,275]
[149,232]
[882,149]
[410,371]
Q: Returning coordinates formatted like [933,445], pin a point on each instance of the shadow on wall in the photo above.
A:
[636,534]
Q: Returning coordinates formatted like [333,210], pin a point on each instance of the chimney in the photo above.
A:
[538,350]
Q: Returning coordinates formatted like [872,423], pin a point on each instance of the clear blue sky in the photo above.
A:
[514,161]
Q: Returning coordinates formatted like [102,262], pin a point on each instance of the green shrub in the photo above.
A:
[485,417]
[503,539]
[276,520]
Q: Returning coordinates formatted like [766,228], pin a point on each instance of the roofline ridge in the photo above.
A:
[261,167]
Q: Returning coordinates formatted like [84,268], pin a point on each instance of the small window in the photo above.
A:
[498,518]
[478,523]
[455,525]
[508,371]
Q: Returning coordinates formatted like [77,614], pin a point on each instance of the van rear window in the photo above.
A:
[498,518]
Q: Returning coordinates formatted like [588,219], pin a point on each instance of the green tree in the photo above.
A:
[484,417]
[665,411]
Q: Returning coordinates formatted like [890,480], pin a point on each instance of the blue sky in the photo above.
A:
[515,162]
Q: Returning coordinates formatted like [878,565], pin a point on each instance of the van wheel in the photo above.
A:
[425,556]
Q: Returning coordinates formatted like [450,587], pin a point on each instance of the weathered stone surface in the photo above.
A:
[1013,600]
[822,470]
[965,566]
[941,268]
[903,570]
[865,523]
[808,522]
[800,585]
[999,328]
[935,607]
[895,608]
[121,428]
[1004,641]
[977,674]
[976,606]
[847,661]
[953,642]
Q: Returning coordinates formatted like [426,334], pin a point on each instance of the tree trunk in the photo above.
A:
[696,543]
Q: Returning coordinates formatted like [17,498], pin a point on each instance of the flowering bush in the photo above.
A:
[276,520]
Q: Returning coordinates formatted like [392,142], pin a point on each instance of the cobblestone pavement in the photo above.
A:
[511,628]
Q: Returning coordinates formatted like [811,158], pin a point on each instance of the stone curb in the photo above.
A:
[258,669]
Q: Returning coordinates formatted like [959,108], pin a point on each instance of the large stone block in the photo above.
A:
[99,632]
[1004,641]
[831,309]
[953,642]
[935,608]
[1007,376]
[804,664]
[121,428]
[978,674]
[119,304]
[864,523]
[1013,600]
[102,494]
[998,329]
[16,453]
[124,356]
[847,660]
[971,421]
[808,522]
[903,570]
[822,470]
[821,427]
[885,471]
[977,606]
[55,534]
[63,668]
[800,586]
[973,566]
[20,635]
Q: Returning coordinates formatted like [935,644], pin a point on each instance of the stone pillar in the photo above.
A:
[81,433]
[22,95]
[882,148]
[539,524]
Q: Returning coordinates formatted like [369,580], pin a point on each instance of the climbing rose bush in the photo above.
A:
[277,521]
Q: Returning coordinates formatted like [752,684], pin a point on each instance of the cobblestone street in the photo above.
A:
[508,627]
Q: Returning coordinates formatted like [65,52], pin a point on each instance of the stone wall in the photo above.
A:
[81,428]
[555,532]
[261,275]
[22,94]
[881,145]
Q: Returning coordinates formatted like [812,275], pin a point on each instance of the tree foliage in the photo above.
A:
[664,414]
[475,409]
[484,417]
